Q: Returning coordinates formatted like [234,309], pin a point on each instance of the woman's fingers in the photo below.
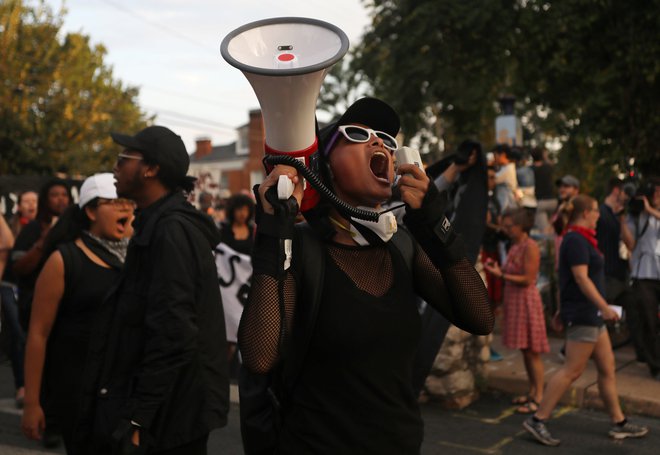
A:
[272,179]
[413,185]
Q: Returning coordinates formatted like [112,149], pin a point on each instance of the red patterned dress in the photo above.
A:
[524,322]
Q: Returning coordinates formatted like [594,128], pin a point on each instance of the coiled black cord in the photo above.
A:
[325,192]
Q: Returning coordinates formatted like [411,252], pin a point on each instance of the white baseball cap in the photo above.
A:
[98,185]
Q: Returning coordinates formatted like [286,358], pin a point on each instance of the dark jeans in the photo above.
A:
[11,321]
[643,312]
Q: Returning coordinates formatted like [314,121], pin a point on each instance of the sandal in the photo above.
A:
[522,399]
[528,408]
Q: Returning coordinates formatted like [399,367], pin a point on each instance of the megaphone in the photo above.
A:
[285,60]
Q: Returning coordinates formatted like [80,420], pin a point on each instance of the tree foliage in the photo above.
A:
[58,99]
[593,66]
[584,72]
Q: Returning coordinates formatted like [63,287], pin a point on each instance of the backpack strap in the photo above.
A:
[403,241]
[309,263]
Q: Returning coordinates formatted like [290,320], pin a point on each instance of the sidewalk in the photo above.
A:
[638,392]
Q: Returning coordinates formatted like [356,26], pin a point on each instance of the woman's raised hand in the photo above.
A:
[414,183]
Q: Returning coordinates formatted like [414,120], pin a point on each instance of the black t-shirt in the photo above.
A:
[576,309]
[242,246]
[608,233]
[543,181]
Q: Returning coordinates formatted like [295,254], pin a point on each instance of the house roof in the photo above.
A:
[219,153]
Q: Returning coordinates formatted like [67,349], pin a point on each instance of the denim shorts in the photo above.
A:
[584,333]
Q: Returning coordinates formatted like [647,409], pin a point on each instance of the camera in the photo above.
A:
[635,192]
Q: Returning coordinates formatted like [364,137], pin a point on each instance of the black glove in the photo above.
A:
[122,443]
[432,229]
[280,224]
[272,230]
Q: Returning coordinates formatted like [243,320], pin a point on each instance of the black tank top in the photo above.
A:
[84,291]
[354,393]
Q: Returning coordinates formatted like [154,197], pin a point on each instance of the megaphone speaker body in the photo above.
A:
[288,105]
[285,60]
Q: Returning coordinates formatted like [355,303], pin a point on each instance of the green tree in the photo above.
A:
[58,99]
[442,64]
[593,67]
[584,72]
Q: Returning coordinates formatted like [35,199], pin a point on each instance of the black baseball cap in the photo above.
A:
[159,145]
[374,113]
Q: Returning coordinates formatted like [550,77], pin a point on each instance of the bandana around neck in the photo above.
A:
[589,234]
[111,252]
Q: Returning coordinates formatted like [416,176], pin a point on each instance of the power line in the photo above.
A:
[192,118]
[193,97]
[184,123]
[156,24]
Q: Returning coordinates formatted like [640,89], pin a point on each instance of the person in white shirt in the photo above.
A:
[505,178]
[641,234]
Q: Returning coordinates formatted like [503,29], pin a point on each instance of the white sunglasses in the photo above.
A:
[360,135]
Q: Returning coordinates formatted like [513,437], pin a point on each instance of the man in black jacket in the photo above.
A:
[158,365]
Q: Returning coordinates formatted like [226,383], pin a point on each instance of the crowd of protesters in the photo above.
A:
[121,340]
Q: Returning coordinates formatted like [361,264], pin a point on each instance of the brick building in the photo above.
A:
[227,169]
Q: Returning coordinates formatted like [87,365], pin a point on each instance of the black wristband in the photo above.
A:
[265,255]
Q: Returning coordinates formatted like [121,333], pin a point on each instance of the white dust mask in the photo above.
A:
[384,228]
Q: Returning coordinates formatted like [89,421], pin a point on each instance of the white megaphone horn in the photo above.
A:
[285,60]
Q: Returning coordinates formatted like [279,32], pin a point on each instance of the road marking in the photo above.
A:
[563,411]
[496,448]
[508,412]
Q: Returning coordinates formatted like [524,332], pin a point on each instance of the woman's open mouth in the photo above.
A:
[380,166]
[121,223]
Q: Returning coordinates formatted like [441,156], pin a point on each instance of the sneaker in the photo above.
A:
[627,430]
[538,429]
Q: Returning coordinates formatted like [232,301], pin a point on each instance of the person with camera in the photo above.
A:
[641,234]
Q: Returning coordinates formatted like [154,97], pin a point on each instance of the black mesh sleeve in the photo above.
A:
[457,292]
[259,331]
[272,295]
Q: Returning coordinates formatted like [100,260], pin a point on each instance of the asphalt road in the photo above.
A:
[488,426]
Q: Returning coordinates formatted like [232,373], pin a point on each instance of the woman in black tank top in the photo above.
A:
[85,251]
[353,393]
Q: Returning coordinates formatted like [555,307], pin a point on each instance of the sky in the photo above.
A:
[170,50]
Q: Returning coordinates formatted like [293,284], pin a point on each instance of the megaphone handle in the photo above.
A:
[284,188]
